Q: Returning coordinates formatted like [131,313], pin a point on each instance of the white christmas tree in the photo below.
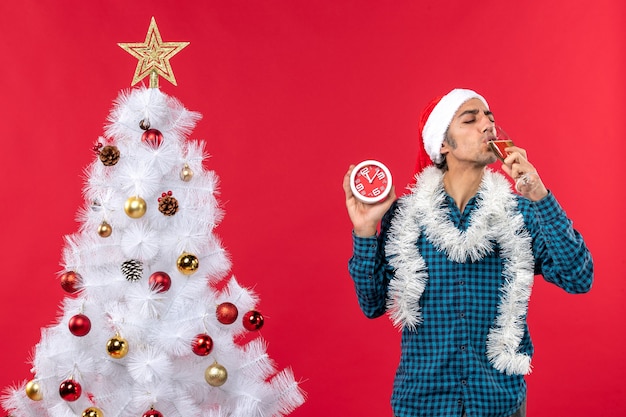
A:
[152,325]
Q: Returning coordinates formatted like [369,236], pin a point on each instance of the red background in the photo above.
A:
[292,92]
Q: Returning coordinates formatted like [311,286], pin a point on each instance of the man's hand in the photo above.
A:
[527,181]
[365,217]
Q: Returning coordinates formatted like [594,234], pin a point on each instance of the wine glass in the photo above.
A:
[500,142]
[527,181]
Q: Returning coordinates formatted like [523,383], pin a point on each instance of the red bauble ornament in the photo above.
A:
[202,344]
[152,413]
[253,320]
[70,282]
[79,325]
[160,281]
[70,390]
[152,137]
[227,313]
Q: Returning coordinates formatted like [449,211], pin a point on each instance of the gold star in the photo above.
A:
[154,56]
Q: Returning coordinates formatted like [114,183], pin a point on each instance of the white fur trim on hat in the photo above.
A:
[440,118]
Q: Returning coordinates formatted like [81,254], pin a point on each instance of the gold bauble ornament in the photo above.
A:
[135,207]
[93,412]
[33,390]
[105,229]
[117,347]
[215,375]
[186,174]
[187,263]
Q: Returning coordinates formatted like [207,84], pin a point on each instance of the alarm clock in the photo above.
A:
[370,181]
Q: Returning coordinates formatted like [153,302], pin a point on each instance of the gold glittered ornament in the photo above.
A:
[187,263]
[93,412]
[135,207]
[154,56]
[117,347]
[33,390]
[186,174]
[105,229]
[215,375]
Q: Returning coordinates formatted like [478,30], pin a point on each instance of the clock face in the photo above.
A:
[370,181]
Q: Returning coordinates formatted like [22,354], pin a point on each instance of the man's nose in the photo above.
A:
[488,126]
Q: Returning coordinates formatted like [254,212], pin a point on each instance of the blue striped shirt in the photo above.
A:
[443,368]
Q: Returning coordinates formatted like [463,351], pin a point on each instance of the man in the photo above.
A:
[453,265]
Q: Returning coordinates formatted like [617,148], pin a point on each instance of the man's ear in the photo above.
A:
[445,147]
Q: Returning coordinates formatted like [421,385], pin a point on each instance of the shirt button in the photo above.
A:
[462,315]
[464,382]
[462,347]
[461,282]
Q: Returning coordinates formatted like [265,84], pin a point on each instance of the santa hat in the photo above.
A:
[434,123]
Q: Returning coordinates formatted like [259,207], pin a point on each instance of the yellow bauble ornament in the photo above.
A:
[105,229]
[186,174]
[135,207]
[33,390]
[93,412]
[187,263]
[215,375]
[117,347]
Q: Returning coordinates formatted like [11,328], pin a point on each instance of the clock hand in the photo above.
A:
[366,175]
[371,180]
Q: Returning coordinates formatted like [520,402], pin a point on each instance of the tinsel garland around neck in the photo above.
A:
[495,220]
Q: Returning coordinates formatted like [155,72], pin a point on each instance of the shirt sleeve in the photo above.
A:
[369,270]
[560,252]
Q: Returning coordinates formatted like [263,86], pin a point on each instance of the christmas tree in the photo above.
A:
[152,325]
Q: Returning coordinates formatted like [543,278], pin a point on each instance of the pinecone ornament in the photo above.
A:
[168,205]
[132,270]
[109,155]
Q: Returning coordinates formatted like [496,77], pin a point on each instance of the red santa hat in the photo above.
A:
[434,122]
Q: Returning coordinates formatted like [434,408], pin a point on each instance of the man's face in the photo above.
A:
[469,133]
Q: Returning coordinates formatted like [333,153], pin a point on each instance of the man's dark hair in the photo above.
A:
[443,165]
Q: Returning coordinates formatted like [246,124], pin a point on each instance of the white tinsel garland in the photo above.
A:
[496,219]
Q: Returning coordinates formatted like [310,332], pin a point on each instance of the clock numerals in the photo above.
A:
[366,173]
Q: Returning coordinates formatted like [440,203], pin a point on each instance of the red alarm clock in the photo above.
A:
[370,181]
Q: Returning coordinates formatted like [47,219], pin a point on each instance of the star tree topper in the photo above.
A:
[154,56]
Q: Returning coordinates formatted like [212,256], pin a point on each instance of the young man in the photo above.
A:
[454,262]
